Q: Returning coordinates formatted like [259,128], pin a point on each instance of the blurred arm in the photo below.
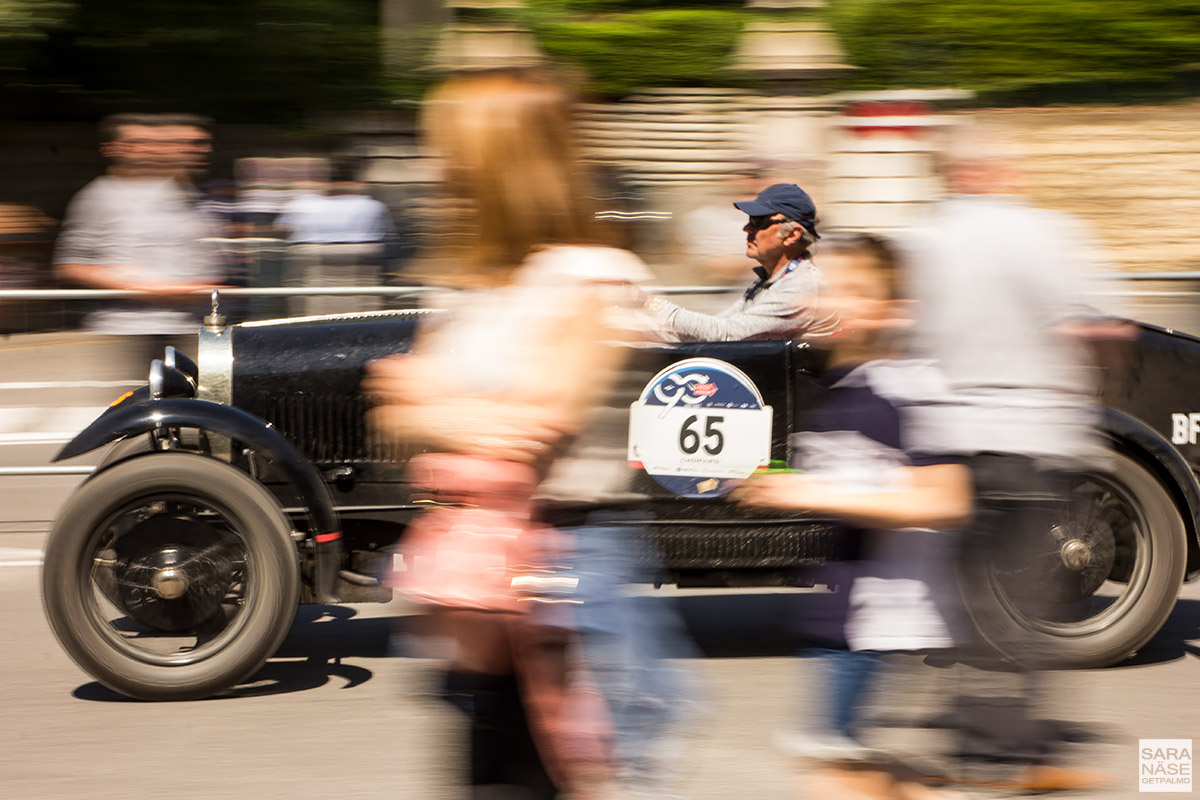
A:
[939,496]
[790,307]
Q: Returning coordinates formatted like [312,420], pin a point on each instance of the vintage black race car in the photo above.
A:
[239,486]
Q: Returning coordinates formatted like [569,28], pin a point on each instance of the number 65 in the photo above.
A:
[689,439]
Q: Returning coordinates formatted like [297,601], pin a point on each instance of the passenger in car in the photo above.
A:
[856,461]
[788,297]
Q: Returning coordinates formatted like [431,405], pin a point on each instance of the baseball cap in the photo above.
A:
[783,198]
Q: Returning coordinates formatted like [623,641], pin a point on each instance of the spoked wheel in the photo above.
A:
[1096,585]
[171,576]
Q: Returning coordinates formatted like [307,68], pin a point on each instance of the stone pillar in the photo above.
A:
[409,29]
[880,174]
[481,35]
[794,58]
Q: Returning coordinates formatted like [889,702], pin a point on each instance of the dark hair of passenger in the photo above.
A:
[884,255]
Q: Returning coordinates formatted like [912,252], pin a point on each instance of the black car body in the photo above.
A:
[245,483]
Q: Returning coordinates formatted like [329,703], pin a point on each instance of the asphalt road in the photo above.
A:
[337,713]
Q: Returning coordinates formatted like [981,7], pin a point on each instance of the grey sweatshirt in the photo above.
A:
[784,305]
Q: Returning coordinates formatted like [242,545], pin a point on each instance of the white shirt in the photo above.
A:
[336,219]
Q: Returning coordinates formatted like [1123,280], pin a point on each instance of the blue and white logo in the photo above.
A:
[699,428]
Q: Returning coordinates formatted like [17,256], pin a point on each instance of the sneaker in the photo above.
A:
[823,747]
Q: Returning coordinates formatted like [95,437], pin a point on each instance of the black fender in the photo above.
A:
[1161,457]
[133,419]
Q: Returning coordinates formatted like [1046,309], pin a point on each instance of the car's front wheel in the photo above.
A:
[171,576]
[1108,572]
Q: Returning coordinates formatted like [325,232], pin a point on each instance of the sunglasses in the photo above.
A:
[762,223]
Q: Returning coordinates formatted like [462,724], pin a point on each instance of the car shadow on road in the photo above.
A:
[753,625]
[310,657]
[721,625]
[1179,637]
[277,676]
[777,624]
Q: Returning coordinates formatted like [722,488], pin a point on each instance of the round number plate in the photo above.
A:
[699,428]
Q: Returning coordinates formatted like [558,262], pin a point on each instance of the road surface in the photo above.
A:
[337,713]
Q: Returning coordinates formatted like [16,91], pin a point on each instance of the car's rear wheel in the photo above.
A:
[171,576]
[1109,571]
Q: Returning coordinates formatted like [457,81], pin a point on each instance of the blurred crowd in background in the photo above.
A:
[157,221]
[283,222]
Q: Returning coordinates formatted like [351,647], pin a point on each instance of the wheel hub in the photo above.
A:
[1083,558]
[1075,555]
[170,583]
[172,572]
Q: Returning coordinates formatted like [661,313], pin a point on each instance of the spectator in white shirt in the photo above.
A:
[340,237]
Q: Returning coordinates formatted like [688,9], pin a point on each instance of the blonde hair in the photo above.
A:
[508,143]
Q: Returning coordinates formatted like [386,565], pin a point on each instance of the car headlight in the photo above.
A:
[169,381]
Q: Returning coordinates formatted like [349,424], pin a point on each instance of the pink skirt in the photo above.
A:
[474,546]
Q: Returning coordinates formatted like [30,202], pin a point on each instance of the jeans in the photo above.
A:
[844,682]
[626,641]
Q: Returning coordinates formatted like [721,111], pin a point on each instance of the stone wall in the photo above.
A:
[1132,173]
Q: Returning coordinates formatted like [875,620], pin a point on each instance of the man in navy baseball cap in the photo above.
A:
[787,199]
[785,301]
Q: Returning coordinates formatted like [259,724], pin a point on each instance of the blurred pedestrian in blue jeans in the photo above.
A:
[627,644]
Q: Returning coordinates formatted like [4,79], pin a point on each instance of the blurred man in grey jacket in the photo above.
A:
[999,286]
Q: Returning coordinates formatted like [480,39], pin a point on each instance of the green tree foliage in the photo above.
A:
[23,23]
[266,60]
[625,45]
[1009,46]
[29,19]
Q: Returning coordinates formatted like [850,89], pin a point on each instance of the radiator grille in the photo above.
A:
[328,428]
[745,546]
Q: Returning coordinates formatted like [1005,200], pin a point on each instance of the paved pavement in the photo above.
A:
[336,713]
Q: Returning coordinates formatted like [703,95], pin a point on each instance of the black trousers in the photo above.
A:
[995,713]
[502,759]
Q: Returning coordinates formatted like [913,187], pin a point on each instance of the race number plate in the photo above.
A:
[699,428]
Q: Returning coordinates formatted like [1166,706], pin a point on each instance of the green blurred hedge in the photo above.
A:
[1019,49]
[1014,46]
[279,60]
[632,48]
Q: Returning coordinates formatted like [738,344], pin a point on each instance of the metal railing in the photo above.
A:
[292,291]
[416,291]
